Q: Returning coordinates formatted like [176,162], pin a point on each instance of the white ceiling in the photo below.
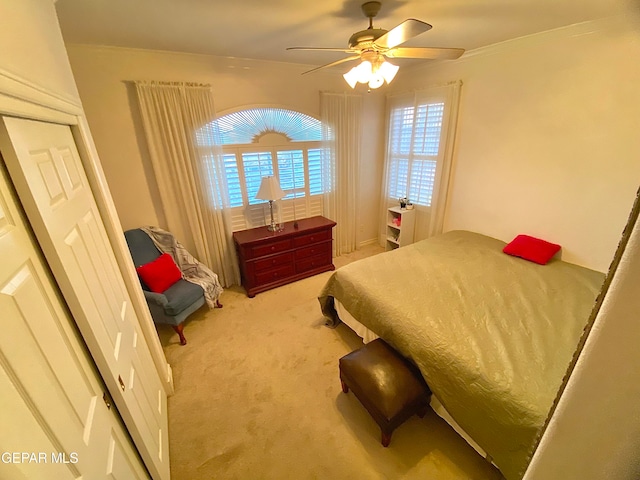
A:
[262,29]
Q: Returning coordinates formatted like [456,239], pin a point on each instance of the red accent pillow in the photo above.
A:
[532,249]
[160,274]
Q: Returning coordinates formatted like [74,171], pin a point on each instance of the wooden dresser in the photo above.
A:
[270,259]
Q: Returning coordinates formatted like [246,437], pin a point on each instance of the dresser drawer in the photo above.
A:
[318,249]
[275,274]
[311,263]
[269,248]
[310,238]
[273,262]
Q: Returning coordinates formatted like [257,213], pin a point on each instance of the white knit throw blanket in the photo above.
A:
[192,270]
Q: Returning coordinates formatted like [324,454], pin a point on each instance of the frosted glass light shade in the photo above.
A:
[388,71]
[375,76]
[351,77]
[376,80]
[270,189]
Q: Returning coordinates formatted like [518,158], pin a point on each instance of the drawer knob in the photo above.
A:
[273,248]
[312,239]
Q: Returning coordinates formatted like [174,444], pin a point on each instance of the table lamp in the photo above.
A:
[270,190]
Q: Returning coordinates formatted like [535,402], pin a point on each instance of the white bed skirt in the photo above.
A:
[368,336]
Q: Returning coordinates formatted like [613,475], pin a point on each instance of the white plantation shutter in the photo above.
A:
[256,165]
[268,141]
[419,150]
[414,139]
[291,173]
[316,172]
[233,180]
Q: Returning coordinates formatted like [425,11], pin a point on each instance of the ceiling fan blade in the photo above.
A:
[401,33]
[338,62]
[327,49]
[425,52]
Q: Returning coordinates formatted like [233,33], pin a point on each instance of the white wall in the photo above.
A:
[39,49]
[102,75]
[548,138]
[595,431]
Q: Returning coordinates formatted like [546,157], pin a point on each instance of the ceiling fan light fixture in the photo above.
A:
[351,77]
[388,71]
[364,71]
[376,80]
[374,74]
[370,46]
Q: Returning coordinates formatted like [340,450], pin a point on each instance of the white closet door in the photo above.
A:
[46,169]
[51,397]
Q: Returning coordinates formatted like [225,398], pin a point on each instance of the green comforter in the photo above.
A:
[492,334]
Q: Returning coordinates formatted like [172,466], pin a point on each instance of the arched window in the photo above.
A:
[259,142]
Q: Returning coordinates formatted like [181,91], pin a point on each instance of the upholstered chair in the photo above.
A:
[177,302]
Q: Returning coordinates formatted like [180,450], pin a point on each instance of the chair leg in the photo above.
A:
[218,304]
[345,387]
[179,330]
[385,438]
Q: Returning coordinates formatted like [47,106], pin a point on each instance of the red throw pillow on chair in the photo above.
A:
[532,249]
[160,274]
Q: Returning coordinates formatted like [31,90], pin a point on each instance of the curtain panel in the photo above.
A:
[411,144]
[341,116]
[171,115]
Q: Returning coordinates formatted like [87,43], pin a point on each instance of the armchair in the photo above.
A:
[176,303]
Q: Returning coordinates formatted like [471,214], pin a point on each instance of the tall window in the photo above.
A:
[413,148]
[270,141]
[420,141]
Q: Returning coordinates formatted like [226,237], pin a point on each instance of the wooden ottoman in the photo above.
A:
[388,386]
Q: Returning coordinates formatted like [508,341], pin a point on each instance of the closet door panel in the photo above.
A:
[51,395]
[46,168]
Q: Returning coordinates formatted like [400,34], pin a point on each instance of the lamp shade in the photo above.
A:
[270,189]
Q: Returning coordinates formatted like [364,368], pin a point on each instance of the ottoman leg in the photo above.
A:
[345,387]
[385,438]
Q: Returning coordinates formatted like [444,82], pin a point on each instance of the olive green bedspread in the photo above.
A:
[492,334]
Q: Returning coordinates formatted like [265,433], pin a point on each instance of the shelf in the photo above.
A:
[399,235]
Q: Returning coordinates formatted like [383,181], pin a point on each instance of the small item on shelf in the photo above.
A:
[409,206]
[403,202]
[396,221]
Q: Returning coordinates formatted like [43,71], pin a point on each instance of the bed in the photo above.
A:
[492,334]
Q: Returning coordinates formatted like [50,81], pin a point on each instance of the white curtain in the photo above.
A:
[410,125]
[186,168]
[341,116]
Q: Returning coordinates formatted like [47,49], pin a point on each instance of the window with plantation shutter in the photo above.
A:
[256,165]
[421,128]
[260,142]
[291,173]
[413,150]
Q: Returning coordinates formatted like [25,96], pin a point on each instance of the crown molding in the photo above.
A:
[615,23]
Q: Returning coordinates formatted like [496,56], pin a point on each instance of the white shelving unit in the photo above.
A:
[400,227]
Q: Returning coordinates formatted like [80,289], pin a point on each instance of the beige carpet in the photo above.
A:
[258,397]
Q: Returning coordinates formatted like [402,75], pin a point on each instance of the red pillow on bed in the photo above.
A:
[532,249]
[160,274]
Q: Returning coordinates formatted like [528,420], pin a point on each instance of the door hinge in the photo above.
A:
[107,400]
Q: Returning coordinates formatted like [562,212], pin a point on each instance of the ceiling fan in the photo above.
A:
[374,44]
